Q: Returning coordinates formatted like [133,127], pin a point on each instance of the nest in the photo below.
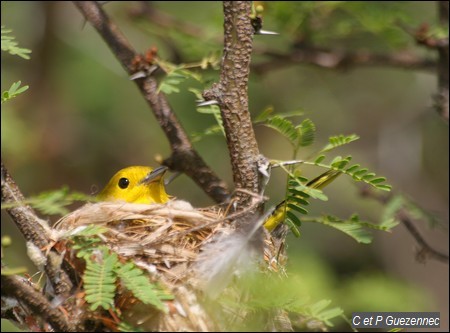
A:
[166,241]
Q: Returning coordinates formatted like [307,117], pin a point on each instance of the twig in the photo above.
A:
[336,59]
[426,250]
[403,216]
[19,289]
[231,93]
[166,21]
[184,158]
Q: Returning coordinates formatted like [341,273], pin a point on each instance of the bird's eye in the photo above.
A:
[124,182]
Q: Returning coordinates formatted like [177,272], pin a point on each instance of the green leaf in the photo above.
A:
[384,187]
[352,168]
[264,115]
[13,91]
[368,176]
[9,45]
[294,229]
[100,280]
[90,230]
[298,199]
[268,112]
[212,130]
[319,159]
[359,173]
[342,163]
[134,280]
[340,140]
[306,133]
[378,180]
[176,74]
[284,127]
[297,208]
[350,227]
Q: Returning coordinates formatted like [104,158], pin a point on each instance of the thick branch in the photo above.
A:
[184,158]
[29,224]
[19,289]
[34,231]
[335,59]
[232,95]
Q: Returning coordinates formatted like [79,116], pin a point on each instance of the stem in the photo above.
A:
[231,93]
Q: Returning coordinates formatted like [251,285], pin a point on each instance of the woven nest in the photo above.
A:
[165,240]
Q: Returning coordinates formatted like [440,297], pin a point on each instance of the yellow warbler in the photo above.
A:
[279,213]
[136,184]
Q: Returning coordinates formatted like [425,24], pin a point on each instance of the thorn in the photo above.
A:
[137,75]
[266,32]
[206,103]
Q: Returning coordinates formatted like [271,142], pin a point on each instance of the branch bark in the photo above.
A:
[29,224]
[231,93]
[20,289]
[35,232]
[184,157]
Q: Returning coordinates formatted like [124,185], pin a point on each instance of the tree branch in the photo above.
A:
[20,290]
[29,224]
[336,59]
[426,250]
[231,93]
[184,158]
[35,232]
[405,218]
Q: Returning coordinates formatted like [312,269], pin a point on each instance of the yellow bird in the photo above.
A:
[136,184]
[279,213]
[142,184]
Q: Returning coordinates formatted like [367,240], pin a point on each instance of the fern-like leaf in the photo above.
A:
[337,141]
[357,172]
[321,312]
[175,74]
[268,113]
[13,91]
[306,133]
[134,280]
[9,44]
[354,227]
[284,127]
[100,279]
[213,110]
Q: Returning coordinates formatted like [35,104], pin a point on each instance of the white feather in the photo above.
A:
[228,255]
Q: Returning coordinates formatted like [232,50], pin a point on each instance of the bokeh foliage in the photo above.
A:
[82,119]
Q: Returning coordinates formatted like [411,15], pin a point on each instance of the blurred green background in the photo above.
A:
[82,120]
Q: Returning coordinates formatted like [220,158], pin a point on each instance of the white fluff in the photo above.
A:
[35,254]
[228,255]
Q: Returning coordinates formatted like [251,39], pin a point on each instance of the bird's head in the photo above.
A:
[136,184]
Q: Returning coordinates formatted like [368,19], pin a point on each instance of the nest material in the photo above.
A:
[164,235]
[166,240]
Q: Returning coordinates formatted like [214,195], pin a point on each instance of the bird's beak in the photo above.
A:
[154,175]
